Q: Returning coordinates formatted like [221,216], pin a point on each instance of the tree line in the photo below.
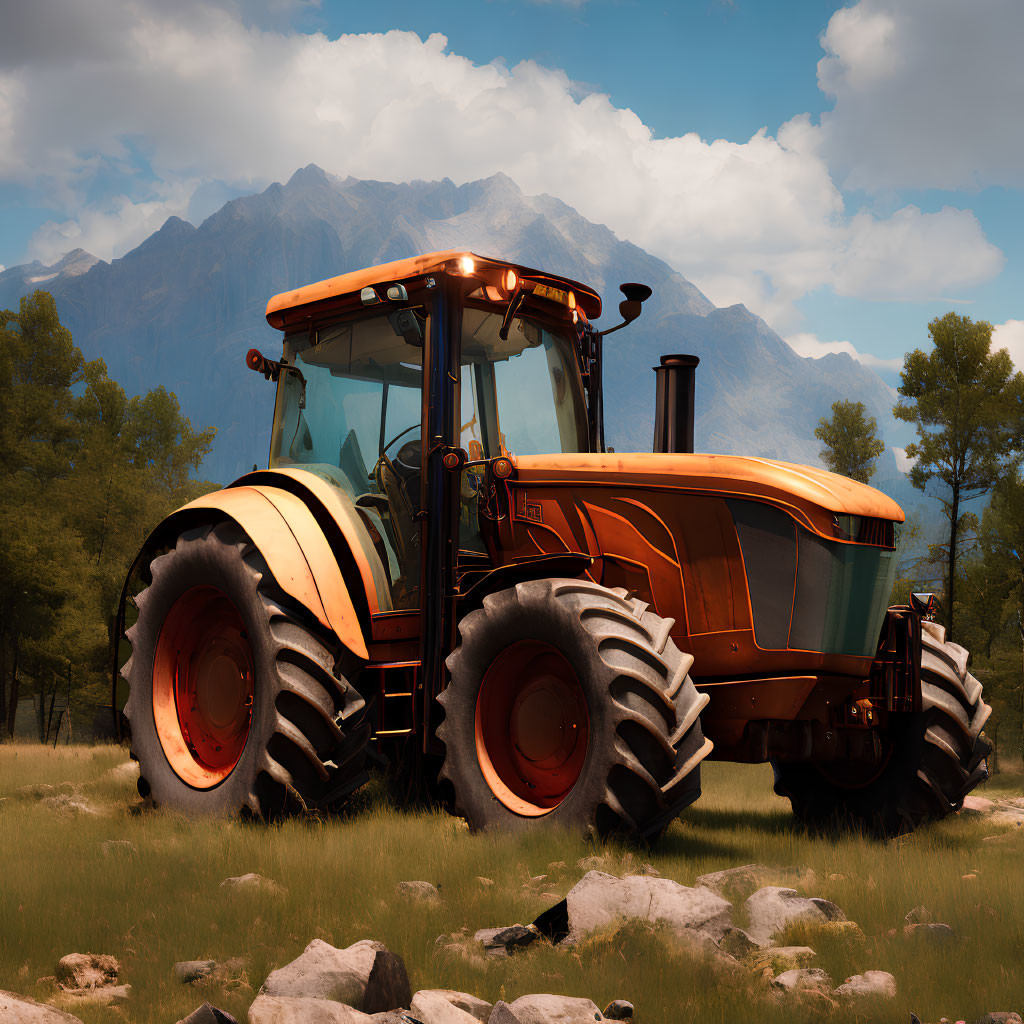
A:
[966,403]
[85,473]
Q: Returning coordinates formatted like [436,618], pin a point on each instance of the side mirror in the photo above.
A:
[631,306]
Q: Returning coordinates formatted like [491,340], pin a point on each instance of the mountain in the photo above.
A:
[183,308]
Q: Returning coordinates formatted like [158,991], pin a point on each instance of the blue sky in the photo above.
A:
[849,172]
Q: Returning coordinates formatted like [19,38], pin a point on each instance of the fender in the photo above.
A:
[291,537]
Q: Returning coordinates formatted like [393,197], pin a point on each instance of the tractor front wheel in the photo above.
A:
[234,702]
[930,760]
[569,703]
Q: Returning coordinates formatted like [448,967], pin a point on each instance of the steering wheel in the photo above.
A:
[408,456]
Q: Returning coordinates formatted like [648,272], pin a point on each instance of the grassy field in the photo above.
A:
[61,893]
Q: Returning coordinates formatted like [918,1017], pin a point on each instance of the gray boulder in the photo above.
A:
[87,970]
[303,1010]
[502,942]
[934,933]
[253,883]
[324,972]
[188,971]
[772,908]
[502,1014]
[15,1009]
[599,900]
[870,983]
[427,1006]
[803,979]
[548,1009]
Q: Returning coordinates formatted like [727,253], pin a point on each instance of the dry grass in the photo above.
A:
[59,893]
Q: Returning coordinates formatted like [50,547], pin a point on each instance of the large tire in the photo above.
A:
[931,760]
[261,724]
[569,704]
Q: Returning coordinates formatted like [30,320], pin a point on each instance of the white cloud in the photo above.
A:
[809,346]
[928,93]
[903,461]
[1011,337]
[208,98]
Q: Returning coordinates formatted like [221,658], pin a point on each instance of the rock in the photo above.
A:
[87,970]
[619,1009]
[484,883]
[970,877]
[591,863]
[804,979]
[253,882]
[999,1017]
[188,971]
[106,995]
[748,877]
[935,934]
[599,900]
[918,915]
[388,985]
[34,792]
[978,804]
[782,958]
[419,891]
[116,847]
[770,909]
[69,805]
[548,1009]
[870,983]
[15,1009]
[736,942]
[501,942]
[207,1014]
[436,1006]
[303,1010]
[324,972]
[502,1014]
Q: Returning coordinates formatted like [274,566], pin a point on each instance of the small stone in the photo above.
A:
[253,882]
[935,933]
[87,970]
[207,1014]
[105,995]
[500,942]
[619,1009]
[388,985]
[543,1008]
[115,847]
[303,1010]
[188,971]
[969,877]
[15,1009]
[439,1006]
[870,983]
[804,979]
[484,883]
[419,891]
[919,915]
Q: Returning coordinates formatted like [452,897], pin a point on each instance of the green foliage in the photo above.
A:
[85,473]
[851,442]
[967,404]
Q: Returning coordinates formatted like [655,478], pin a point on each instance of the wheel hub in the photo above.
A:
[203,687]
[532,728]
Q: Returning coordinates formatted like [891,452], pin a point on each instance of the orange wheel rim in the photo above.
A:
[532,728]
[203,687]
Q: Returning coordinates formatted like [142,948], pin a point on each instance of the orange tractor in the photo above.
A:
[445,568]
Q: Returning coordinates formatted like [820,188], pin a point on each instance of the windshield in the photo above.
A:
[523,395]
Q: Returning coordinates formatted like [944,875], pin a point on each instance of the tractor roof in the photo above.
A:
[445,261]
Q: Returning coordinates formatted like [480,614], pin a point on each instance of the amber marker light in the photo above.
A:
[571,301]
[466,265]
[502,468]
[511,280]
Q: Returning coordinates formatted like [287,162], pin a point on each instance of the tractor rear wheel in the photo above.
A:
[234,702]
[931,760]
[569,703]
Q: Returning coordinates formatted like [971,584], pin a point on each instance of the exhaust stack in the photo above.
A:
[673,404]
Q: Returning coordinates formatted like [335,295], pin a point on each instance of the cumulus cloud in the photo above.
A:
[927,93]
[210,97]
[810,346]
[1011,337]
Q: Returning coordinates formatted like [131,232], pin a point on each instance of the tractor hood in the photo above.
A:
[811,495]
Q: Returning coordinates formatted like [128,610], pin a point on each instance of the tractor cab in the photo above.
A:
[484,358]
